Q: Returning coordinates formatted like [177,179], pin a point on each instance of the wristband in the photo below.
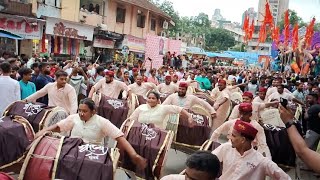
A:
[289,124]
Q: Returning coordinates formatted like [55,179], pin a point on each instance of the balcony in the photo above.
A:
[91,18]
[18,8]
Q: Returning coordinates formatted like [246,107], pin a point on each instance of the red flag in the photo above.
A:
[268,18]
[263,33]
[251,30]
[286,27]
[246,27]
[276,34]
[295,41]
[310,32]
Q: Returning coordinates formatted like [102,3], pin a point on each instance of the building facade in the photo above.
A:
[277,7]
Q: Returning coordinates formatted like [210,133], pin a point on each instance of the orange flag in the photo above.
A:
[263,33]
[276,34]
[246,27]
[286,27]
[268,18]
[295,34]
[310,32]
[251,30]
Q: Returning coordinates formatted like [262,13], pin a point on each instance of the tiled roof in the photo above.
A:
[147,5]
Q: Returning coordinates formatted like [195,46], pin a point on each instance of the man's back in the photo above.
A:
[9,92]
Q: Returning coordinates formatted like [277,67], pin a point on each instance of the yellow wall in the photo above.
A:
[70,10]
[130,25]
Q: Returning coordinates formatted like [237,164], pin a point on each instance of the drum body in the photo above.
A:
[236,98]
[280,146]
[149,142]
[66,158]
[38,114]
[193,137]
[271,116]
[115,110]
[16,135]
[4,176]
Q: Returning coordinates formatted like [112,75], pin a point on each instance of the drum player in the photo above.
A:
[245,110]
[156,113]
[185,100]
[92,128]
[257,107]
[241,161]
[60,93]
[142,88]
[110,87]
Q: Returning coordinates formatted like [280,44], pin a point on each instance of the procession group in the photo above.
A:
[237,102]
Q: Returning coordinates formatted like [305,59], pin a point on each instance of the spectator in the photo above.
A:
[27,88]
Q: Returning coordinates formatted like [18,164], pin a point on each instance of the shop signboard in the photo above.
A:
[135,44]
[103,43]
[69,29]
[27,29]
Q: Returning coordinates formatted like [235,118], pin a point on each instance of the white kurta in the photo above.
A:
[92,131]
[156,115]
[111,89]
[249,166]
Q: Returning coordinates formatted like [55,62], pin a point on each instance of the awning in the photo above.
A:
[222,55]
[7,34]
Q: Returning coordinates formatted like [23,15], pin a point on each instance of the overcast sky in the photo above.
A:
[233,9]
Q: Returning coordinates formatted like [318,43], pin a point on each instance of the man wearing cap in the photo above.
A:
[241,161]
[192,81]
[245,110]
[175,79]
[135,73]
[222,104]
[109,87]
[168,87]
[261,98]
[186,101]
[257,107]
[142,88]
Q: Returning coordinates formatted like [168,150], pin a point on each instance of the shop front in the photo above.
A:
[29,29]
[104,45]
[131,50]
[66,39]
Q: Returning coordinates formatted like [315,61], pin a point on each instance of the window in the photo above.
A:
[153,24]
[141,20]
[121,15]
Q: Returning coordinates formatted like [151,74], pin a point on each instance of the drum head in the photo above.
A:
[236,97]
[272,117]
[57,114]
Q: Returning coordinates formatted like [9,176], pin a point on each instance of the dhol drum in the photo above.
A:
[115,110]
[149,142]
[206,97]
[4,176]
[271,116]
[192,138]
[236,98]
[57,157]
[39,115]
[16,134]
[280,146]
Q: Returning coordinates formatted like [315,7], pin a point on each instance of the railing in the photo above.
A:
[18,8]
[91,18]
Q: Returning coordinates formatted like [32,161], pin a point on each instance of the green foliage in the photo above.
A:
[196,26]
[219,39]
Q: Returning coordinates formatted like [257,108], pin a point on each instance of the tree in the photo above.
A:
[219,39]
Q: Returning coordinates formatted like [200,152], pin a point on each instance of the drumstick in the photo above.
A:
[97,59]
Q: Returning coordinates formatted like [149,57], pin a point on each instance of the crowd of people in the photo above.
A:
[71,84]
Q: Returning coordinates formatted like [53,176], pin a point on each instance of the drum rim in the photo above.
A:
[7,109]
[43,122]
[25,123]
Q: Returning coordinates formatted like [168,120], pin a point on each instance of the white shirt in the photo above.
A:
[9,92]
[249,166]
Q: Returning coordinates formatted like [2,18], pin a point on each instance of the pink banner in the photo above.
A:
[157,46]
